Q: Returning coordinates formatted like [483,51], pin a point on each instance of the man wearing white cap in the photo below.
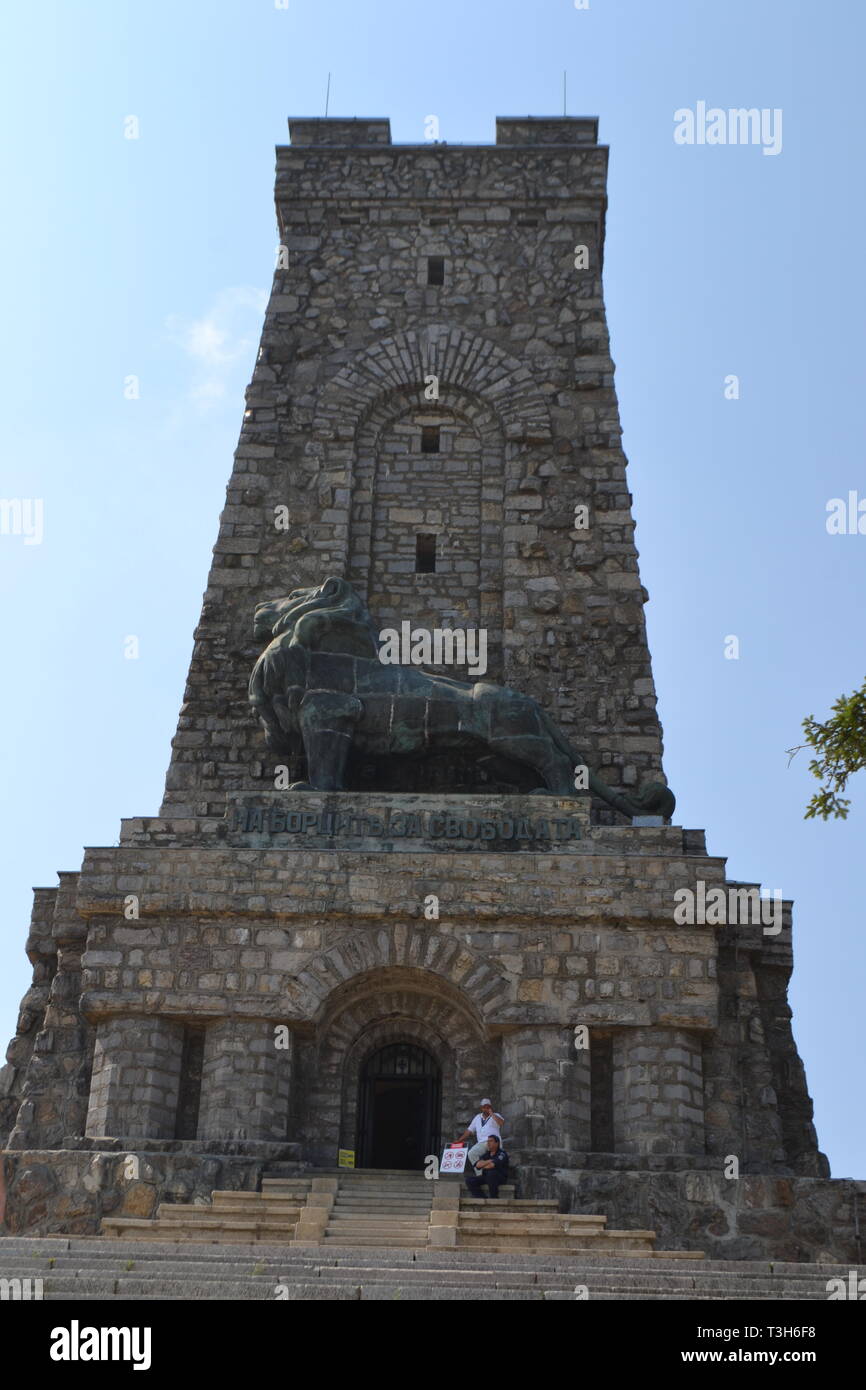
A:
[486,1122]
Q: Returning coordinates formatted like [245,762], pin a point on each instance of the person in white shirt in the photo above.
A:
[486,1122]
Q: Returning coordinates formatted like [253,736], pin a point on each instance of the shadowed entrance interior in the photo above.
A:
[399,1108]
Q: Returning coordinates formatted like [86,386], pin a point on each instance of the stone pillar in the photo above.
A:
[658,1100]
[544,1096]
[245,1081]
[136,1078]
[743,1116]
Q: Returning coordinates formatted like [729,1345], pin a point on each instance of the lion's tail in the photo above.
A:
[653,799]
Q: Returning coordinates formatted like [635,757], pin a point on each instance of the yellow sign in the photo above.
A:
[345,1158]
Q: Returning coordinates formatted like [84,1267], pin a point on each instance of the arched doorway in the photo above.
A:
[399,1107]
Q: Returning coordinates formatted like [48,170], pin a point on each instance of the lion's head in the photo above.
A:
[327,618]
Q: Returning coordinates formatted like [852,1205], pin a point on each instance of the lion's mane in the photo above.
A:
[327,618]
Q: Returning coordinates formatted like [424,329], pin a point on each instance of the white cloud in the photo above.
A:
[223,340]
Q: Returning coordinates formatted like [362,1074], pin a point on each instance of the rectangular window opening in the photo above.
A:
[189,1095]
[435,270]
[601,1093]
[425,554]
[429,439]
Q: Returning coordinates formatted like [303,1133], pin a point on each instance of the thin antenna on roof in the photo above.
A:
[563,93]
[328,94]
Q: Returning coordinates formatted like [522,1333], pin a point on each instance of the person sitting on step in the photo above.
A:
[491,1171]
[486,1122]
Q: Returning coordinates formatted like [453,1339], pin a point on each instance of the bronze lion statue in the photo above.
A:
[319,685]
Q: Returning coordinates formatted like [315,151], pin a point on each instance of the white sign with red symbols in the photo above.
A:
[453,1159]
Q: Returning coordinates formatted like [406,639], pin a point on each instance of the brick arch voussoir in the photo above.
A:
[453,398]
[469,361]
[382,1032]
[410,973]
[394,1016]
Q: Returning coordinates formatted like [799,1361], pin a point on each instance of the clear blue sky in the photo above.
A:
[152,257]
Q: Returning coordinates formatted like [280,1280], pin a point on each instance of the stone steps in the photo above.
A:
[468,1269]
[515,1204]
[69,1284]
[383,1241]
[370,1199]
[374,1211]
[342,1226]
[370,1292]
[295,1186]
[96,1247]
[365,1199]
[506,1218]
[358,1265]
[174,1283]
[341,1223]
[229,1217]
[95,1269]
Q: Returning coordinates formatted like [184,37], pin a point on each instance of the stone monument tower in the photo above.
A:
[425,854]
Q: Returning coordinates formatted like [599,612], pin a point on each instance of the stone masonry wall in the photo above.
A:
[526,946]
[69,1191]
[517,336]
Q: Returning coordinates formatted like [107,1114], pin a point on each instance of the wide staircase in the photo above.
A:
[387,1209]
[95,1268]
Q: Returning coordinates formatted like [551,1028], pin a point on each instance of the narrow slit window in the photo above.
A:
[435,270]
[425,554]
[429,439]
[601,1121]
[189,1095]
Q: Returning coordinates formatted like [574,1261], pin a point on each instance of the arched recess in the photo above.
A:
[385,1006]
[467,368]
[456,495]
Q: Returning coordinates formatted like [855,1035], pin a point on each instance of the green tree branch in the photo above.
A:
[840,744]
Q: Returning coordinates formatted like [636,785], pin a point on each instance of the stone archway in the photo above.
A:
[472,374]
[392,1006]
